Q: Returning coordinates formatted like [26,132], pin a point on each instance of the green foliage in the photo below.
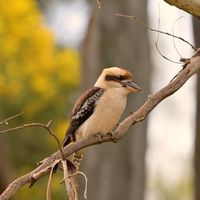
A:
[36,77]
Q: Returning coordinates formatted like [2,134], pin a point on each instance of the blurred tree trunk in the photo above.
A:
[196,27]
[117,171]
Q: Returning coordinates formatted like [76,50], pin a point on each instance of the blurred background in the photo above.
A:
[50,51]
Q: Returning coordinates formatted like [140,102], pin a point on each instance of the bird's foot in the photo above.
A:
[112,137]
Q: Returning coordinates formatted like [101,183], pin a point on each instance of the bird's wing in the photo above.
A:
[83,109]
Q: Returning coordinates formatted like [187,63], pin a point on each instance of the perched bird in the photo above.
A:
[98,110]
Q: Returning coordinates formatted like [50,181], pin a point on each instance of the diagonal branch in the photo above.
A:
[180,79]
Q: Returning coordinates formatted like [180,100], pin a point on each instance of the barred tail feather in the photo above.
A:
[77,158]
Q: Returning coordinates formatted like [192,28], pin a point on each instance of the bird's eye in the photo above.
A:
[121,78]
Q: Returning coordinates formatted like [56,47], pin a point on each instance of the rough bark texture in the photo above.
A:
[117,171]
[196,27]
[190,6]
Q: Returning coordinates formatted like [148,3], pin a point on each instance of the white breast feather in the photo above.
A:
[108,110]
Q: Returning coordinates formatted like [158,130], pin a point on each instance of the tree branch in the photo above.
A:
[188,70]
[32,125]
[5,121]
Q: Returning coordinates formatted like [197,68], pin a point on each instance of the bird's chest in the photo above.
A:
[106,115]
[111,108]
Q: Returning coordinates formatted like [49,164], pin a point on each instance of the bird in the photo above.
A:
[98,110]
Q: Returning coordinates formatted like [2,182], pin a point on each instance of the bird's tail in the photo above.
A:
[69,137]
[77,158]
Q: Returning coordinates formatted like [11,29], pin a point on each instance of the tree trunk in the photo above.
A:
[196,27]
[117,171]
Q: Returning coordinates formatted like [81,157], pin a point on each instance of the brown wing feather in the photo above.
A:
[83,109]
[81,100]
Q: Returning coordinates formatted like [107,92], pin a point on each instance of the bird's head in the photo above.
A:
[116,77]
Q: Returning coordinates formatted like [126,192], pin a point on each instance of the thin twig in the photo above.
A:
[141,23]
[56,138]
[5,121]
[23,126]
[157,41]
[47,127]
[86,182]
[174,37]
[69,183]
[48,193]
[65,179]
[161,54]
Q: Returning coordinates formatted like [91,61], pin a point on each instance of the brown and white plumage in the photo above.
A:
[98,110]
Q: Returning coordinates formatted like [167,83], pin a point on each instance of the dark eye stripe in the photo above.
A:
[121,78]
[115,78]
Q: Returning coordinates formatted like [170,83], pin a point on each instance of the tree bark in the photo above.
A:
[118,171]
[196,27]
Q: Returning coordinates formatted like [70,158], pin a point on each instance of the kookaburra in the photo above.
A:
[98,110]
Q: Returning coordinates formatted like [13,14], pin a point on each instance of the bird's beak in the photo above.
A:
[133,87]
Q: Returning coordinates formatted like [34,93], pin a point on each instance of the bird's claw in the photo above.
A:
[112,137]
